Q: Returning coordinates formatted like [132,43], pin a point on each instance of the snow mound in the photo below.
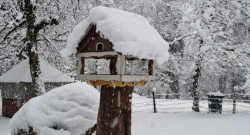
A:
[131,34]
[67,110]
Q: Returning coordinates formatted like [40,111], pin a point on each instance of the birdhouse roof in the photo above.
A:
[130,34]
[21,73]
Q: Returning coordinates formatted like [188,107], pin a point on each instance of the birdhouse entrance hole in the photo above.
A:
[100,47]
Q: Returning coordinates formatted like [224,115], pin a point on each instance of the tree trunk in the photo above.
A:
[31,51]
[114,116]
[222,80]
[174,84]
[195,88]
[196,77]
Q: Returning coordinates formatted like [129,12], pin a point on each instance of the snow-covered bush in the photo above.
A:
[67,110]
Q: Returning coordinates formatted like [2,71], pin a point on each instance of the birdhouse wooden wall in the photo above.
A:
[95,46]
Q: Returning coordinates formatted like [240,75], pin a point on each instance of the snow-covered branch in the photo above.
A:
[4,56]
[180,37]
[17,26]
[45,22]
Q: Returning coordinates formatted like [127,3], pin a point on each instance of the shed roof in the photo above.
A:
[130,34]
[218,94]
[21,73]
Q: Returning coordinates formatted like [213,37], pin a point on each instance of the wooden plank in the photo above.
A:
[98,54]
[11,106]
[79,65]
[98,77]
[88,35]
[150,67]
[112,66]
[129,78]
[125,78]
[154,65]
[118,64]
[82,67]
[123,64]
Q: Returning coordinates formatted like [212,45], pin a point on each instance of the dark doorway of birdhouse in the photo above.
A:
[100,47]
[96,66]
[137,67]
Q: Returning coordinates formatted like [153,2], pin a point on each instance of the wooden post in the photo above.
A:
[154,101]
[153,93]
[234,101]
[114,116]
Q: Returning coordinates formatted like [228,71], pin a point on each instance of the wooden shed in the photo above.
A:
[15,84]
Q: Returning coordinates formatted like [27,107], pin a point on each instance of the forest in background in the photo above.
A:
[209,40]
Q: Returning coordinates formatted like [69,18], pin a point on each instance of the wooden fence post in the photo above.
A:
[153,92]
[234,100]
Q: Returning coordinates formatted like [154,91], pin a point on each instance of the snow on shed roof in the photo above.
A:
[131,34]
[21,73]
[218,94]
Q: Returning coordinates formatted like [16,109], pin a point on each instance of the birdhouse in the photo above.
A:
[116,50]
[100,64]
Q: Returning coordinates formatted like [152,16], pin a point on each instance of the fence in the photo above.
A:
[142,104]
[189,95]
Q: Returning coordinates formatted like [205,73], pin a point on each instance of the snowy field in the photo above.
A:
[175,117]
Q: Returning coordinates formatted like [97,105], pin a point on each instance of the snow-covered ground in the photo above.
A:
[190,124]
[142,104]
[175,117]
[3,121]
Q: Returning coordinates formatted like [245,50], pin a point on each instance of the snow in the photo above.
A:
[72,107]
[4,130]
[130,33]
[49,131]
[21,73]
[247,83]
[0,103]
[175,117]
[189,124]
[209,12]
[216,94]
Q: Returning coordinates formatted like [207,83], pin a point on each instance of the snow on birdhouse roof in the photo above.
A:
[21,73]
[130,33]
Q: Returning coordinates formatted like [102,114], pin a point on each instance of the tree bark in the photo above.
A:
[31,50]
[223,78]
[91,130]
[195,88]
[114,116]
[196,77]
